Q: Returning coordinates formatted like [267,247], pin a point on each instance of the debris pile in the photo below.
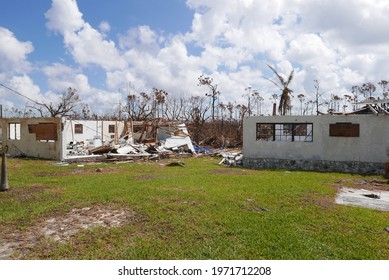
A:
[231,158]
[151,139]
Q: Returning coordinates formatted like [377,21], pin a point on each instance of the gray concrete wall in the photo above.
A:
[369,147]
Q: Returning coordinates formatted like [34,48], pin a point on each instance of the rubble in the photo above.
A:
[145,140]
[231,158]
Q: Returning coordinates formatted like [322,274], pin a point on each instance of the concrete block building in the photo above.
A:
[334,143]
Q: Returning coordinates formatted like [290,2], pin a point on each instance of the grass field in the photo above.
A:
[147,210]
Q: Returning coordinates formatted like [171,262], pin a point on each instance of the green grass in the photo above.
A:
[200,211]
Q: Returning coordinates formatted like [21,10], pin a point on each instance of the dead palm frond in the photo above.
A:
[284,86]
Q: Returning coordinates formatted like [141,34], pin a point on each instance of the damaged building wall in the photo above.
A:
[91,134]
[32,137]
[175,136]
[355,143]
[66,139]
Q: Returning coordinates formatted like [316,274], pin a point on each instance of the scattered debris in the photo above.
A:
[372,195]
[250,206]
[151,140]
[232,158]
[176,163]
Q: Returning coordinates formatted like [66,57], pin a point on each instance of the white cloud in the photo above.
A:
[60,77]
[104,27]
[64,16]
[339,43]
[85,43]
[28,92]
[13,53]
[309,49]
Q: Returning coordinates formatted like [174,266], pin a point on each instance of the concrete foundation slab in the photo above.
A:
[364,198]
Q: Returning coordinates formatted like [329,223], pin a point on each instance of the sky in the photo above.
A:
[108,49]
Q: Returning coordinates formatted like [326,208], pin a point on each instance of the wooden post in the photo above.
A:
[4,176]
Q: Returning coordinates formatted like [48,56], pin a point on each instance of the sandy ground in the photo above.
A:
[60,229]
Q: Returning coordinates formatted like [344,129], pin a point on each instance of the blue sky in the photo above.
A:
[101,47]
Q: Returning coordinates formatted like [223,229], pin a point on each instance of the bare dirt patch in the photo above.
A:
[30,192]
[60,228]
[373,184]
[231,171]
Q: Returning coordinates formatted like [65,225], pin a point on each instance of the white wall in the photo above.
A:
[370,146]
[90,130]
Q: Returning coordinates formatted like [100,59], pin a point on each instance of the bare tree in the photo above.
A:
[384,86]
[175,107]
[139,106]
[213,92]
[160,99]
[196,115]
[367,89]
[243,110]
[258,100]
[301,97]
[66,105]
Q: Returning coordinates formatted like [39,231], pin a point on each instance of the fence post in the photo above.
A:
[4,176]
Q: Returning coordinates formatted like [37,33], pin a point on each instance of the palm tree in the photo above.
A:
[286,91]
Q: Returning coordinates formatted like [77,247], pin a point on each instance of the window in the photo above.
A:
[286,132]
[78,128]
[14,131]
[265,131]
[283,132]
[111,128]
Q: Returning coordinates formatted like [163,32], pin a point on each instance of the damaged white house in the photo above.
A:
[339,143]
[65,139]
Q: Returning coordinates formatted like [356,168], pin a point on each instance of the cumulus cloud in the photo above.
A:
[339,43]
[60,77]
[13,53]
[28,92]
[104,26]
[86,44]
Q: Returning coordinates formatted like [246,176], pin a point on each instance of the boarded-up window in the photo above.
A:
[111,128]
[78,128]
[14,131]
[344,130]
[44,131]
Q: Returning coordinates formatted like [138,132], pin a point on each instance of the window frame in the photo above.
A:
[14,131]
[284,132]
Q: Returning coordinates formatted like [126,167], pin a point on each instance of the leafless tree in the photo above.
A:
[139,106]
[367,89]
[384,86]
[301,97]
[175,107]
[196,115]
[160,98]
[66,105]
[213,92]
